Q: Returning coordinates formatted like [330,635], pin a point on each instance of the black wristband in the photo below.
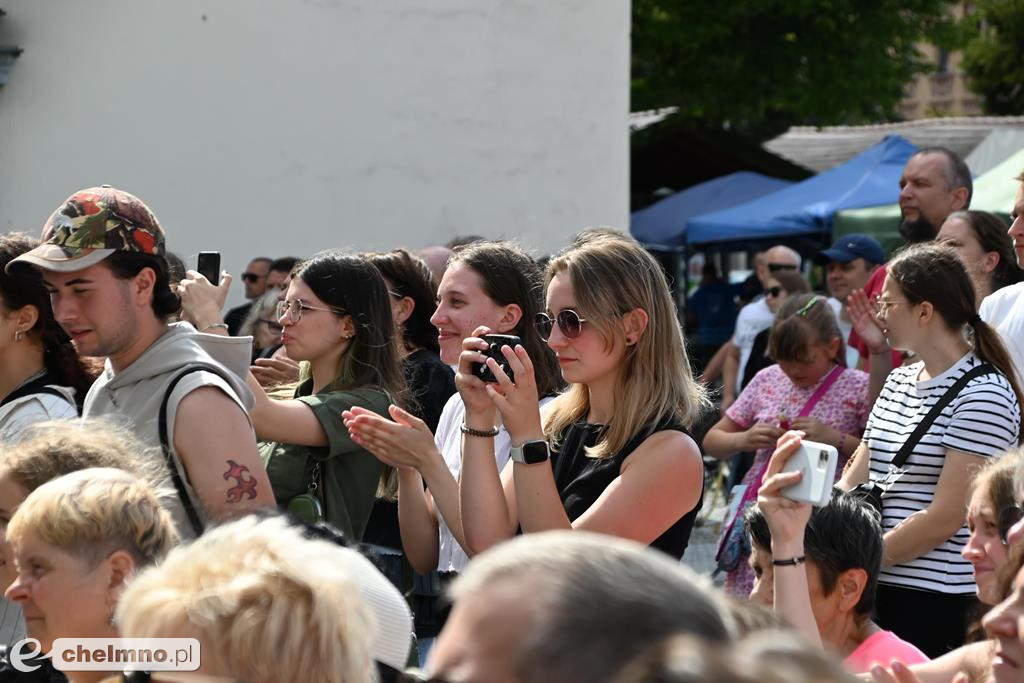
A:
[469,431]
[789,562]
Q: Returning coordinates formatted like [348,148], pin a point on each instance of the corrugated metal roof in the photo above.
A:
[826,147]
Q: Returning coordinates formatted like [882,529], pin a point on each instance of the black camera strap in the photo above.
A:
[168,450]
[922,427]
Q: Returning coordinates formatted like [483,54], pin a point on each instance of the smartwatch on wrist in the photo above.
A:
[531,452]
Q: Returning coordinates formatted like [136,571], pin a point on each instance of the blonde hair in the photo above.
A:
[92,513]
[266,603]
[54,448]
[612,275]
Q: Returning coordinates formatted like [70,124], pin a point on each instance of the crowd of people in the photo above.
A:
[468,464]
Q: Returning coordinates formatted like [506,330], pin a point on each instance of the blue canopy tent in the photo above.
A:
[805,208]
[663,225]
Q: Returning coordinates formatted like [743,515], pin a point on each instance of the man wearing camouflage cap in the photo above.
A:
[103,260]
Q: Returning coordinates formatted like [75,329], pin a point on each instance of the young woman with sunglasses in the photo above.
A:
[927,305]
[809,389]
[621,461]
[497,285]
[336,319]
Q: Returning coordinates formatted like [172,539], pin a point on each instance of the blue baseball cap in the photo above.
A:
[854,246]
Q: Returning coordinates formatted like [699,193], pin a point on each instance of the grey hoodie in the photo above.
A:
[132,397]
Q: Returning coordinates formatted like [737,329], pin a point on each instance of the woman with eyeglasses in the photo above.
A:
[926,590]
[611,454]
[808,389]
[492,284]
[336,320]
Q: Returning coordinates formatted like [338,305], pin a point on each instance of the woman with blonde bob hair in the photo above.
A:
[266,604]
[77,542]
[622,462]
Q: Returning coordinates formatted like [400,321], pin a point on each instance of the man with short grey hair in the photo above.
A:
[568,606]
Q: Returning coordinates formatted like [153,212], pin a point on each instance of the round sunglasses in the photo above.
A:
[570,324]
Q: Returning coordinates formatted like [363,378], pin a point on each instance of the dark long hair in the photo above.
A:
[351,283]
[25,287]
[990,231]
[409,276]
[510,276]
[934,273]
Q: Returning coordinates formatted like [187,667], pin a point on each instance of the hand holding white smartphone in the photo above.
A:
[817,462]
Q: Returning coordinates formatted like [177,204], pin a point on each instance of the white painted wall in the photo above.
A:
[257,127]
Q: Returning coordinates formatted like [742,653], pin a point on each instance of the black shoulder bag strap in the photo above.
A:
[36,386]
[168,450]
[923,426]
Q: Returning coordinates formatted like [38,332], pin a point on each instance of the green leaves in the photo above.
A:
[762,65]
[994,54]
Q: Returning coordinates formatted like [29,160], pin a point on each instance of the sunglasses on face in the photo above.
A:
[570,324]
[773,291]
[252,277]
[1008,516]
[776,267]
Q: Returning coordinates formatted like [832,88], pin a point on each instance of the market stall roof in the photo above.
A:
[663,225]
[808,207]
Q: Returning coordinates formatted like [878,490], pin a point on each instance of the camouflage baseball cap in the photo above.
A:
[90,226]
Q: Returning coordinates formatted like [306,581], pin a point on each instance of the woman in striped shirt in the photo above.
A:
[926,589]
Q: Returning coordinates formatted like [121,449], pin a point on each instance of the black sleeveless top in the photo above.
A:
[582,479]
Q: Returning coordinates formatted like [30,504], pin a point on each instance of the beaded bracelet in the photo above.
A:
[469,431]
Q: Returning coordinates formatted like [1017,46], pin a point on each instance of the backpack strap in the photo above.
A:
[922,428]
[168,450]
[36,386]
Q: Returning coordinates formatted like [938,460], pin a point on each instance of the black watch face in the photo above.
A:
[535,452]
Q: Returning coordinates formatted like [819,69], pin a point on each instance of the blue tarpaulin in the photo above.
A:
[869,179]
[663,225]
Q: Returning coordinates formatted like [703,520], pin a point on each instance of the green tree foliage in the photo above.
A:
[994,54]
[762,65]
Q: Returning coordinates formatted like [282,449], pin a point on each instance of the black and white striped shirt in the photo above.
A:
[984,420]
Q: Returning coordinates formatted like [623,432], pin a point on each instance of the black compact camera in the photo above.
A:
[494,344]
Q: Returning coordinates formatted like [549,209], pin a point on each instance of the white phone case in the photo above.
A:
[818,462]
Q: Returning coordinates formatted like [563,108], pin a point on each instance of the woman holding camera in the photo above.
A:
[496,285]
[621,461]
[926,589]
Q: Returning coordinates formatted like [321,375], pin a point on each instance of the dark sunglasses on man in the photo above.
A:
[772,291]
[776,267]
[252,277]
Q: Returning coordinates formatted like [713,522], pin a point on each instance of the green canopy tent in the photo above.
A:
[993,191]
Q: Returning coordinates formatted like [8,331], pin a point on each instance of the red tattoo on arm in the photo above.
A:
[244,487]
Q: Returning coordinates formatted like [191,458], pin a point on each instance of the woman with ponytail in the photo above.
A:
[41,375]
[927,306]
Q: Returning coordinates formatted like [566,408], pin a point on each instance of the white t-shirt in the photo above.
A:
[752,319]
[983,420]
[1003,309]
[448,437]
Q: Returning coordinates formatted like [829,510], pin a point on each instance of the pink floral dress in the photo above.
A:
[772,397]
